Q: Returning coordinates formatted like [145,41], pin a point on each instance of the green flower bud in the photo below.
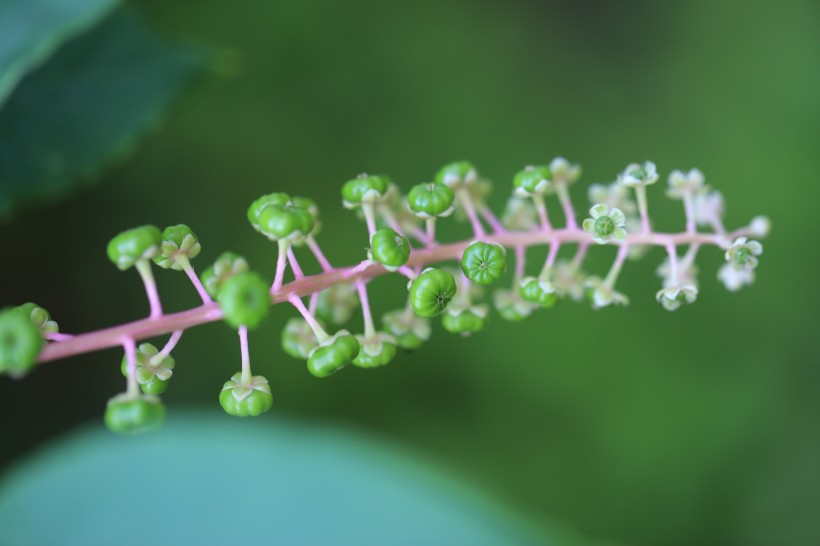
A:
[128,247]
[484,263]
[20,342]
[246,399]
[333,354]
[409,330]
[285,222]
[457,174]
[337,304]
[244,300]
[465,321]
[298,339]
[430,200]
[179,244]
[364,189]
[389,248]
[126,414]
[226,266]
[40,318]
[262,203]
[431,291]
[540,292]
[532,180]
[376,350]
[511,306]
[153,373]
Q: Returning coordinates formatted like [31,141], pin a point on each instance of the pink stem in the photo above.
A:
[320,333]
[56,336]
[203,294]
[566,205]
[553,253]
[469,209]
[169,346]
[294,264]
[689,210]
[144,269]
[612,276]
[130,347]
[580,254]
[313,304]
[520,262]
[369,328]
[541,208]
[491,219]
[281,263]
[320,256]
[407,272]
[671,250]
[246,359]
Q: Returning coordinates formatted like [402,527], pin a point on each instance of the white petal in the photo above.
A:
[599,210]
[619,234]
[618,217]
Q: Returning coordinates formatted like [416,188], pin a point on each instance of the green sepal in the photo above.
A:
[538,292]
[244,300]
[389,248]
[456,174]
[298,339]
[153,377]
[409,330]
[364,189]
[263,202]
[376,350]
[141,243]
[511,306]
[285,222]
[179,245]
[484,263]
[465,321]
[20,342]
[430,200]
[431,291]
[333,354]
[532,180]
[127,414]
[249,399]
[226,266]
[40,318]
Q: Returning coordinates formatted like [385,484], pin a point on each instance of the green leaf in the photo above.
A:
[31,30]
[86,107]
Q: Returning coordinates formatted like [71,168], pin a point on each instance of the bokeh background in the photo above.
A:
[634,425]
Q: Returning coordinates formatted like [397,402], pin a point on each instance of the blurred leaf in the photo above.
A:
[86,107]
[219,480]
[31,30]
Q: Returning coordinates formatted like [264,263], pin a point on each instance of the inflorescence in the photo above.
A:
[402,240]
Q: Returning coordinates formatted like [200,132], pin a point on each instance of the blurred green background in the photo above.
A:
[632,425]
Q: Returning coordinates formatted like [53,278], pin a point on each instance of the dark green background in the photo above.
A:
[635,425]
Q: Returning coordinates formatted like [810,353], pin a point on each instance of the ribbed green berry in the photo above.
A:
[305,203]
[456,174]
[244,300]
[364,189]
[511,306]
[333,354]
[410,330]
[20,342]
[389,248]
[532,180]
[245,399]
[484,263]
[179,244]
[298,339]
[285,222]
[226,266]
[430,200]
[127,414]
[538,292]
[140,243]
[153,373]
[431,291]
[337,304]
[465,321]
[263,202]
[376,350]
[40,318]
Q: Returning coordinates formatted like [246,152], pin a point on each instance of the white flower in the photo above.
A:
[563,171]
[605,224]
[639,175]
[603,295]
[709,207]
[734,279]
[681,184]
[760,226]
[687,273]
[614,195]
[743,254]
[519,215]
[674,296]
[568,279]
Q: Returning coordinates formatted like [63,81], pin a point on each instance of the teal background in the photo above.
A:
[632,425]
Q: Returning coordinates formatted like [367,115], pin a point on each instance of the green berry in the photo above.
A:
[153,373]
[457,174]
[465,321]
[244,300]
[333,354]
[128,247]
[410,331]
[127,414]
[539,292]
[285,222]
[263,202]
[179,245]
[484,263]
[246,399]
[298,339]
[20,342]
[226,266]
[532,180]
[364,189]
[376,351]
[430,200]
[511,306]
[389,248]
[337,304]
[40,318]
[431,291]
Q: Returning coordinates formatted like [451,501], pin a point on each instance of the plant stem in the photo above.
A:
[318,331]
[643,208]
[246,359]
[144,269]
[541,208]
[566,204]
[318,254]
[469,209]
[294,264]
[281,263]
[553,253]
[169,346]
[369,328]
[615,270]
[492,219]
[130,347]
[430,225]
[189,270]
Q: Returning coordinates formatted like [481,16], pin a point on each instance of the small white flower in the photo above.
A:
[605,224]
[734,279]
[760,226]
[603,295]
[639,175]
[614,195]
[519,215]
[742,255]
[681,184]
[709,207]
[568,279]
[687,274]
[563,171]
[673,297]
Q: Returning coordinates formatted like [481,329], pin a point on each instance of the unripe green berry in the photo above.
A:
[389,248]
[430,200]
[127,414]
[532,180]
[179,245]
[298,339]
[484,263]
[333,354]
[431,291]
[541,293]
[410,331]
[604,226]
[511,306]
[244,300]
[246,399]
[337,304]
[456,174]
[364,189]
[128,247]
[226,266]
[20,342]
[153,373]
[285,222]
[376,351]
[262,203]
[465,321]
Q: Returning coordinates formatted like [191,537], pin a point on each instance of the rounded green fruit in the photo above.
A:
[141,243]
[244,300]
[538,292]
[430,200]
[226,266]
[484,263]
[532,180]
[431,291]
[333,354]
[511,306]
[285,222]
[298,339]
[153,373]
[410,331]
[376,351]
[126,414]
[20,342]
[364,188]
[246,399]
[465,321]
[389,248]
[263,202]
[457,174]
[337,304]
[179,245]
